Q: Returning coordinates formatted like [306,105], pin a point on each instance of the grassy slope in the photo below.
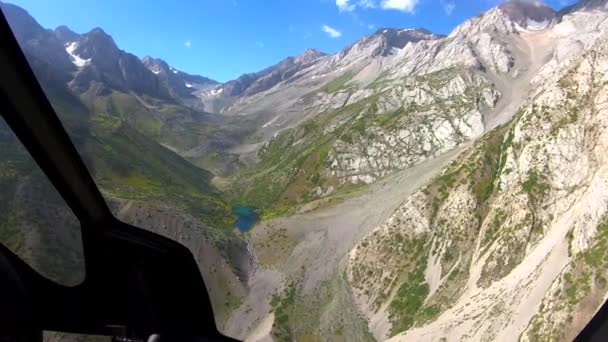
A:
[119,148]
[325,314]
[289,171]
[122,145]
[30,211]
[176,127]
[128,165]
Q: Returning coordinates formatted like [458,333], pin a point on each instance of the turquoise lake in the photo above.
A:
[247,216]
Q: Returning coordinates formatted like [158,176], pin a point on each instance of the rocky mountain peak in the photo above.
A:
[160,67]
[308,56]
[253,83]
[24,26]
[97,44]
[179,84]
[156,65]
[65,35]
[38,43]
[99,36]
[528,14]
[510,17]
[312,52]
[384,42]
[398,38]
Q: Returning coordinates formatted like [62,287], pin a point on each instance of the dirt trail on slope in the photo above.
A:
[323,238]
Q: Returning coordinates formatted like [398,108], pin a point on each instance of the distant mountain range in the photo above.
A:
[92,58]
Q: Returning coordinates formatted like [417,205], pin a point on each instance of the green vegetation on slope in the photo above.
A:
[295,165]
[163,122]
[13,165]
[119,138]
[478,174]
[326,313]
[130,166]
[534,186]
[338,83]
[30,211]
[409,300]
[292,164]
[197,135]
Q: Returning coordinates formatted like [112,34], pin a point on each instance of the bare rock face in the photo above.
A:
[180,85]
[250,84]
[106,63]
[508,237]
[65,35]
[424,128]
[384,42]
[42,45]
[529,14]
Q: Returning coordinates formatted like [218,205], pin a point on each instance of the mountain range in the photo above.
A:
[412,186]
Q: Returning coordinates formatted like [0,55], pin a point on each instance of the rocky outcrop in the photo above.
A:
[93,61]
[104,62]
[383,42]
[180,85]
[509,240]
[427,96]
[425,117]
[250,84]
[42,45]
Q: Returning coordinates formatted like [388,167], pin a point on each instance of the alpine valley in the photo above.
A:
[411,187]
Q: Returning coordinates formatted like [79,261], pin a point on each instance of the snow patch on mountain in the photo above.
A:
[79,62]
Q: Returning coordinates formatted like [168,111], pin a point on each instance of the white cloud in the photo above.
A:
[344,6]
[188,44]
[367,3]
[259,44]
[400,5]
[371,26]
[448,6]
[332,32]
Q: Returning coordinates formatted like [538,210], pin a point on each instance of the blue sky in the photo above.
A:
[222,39]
